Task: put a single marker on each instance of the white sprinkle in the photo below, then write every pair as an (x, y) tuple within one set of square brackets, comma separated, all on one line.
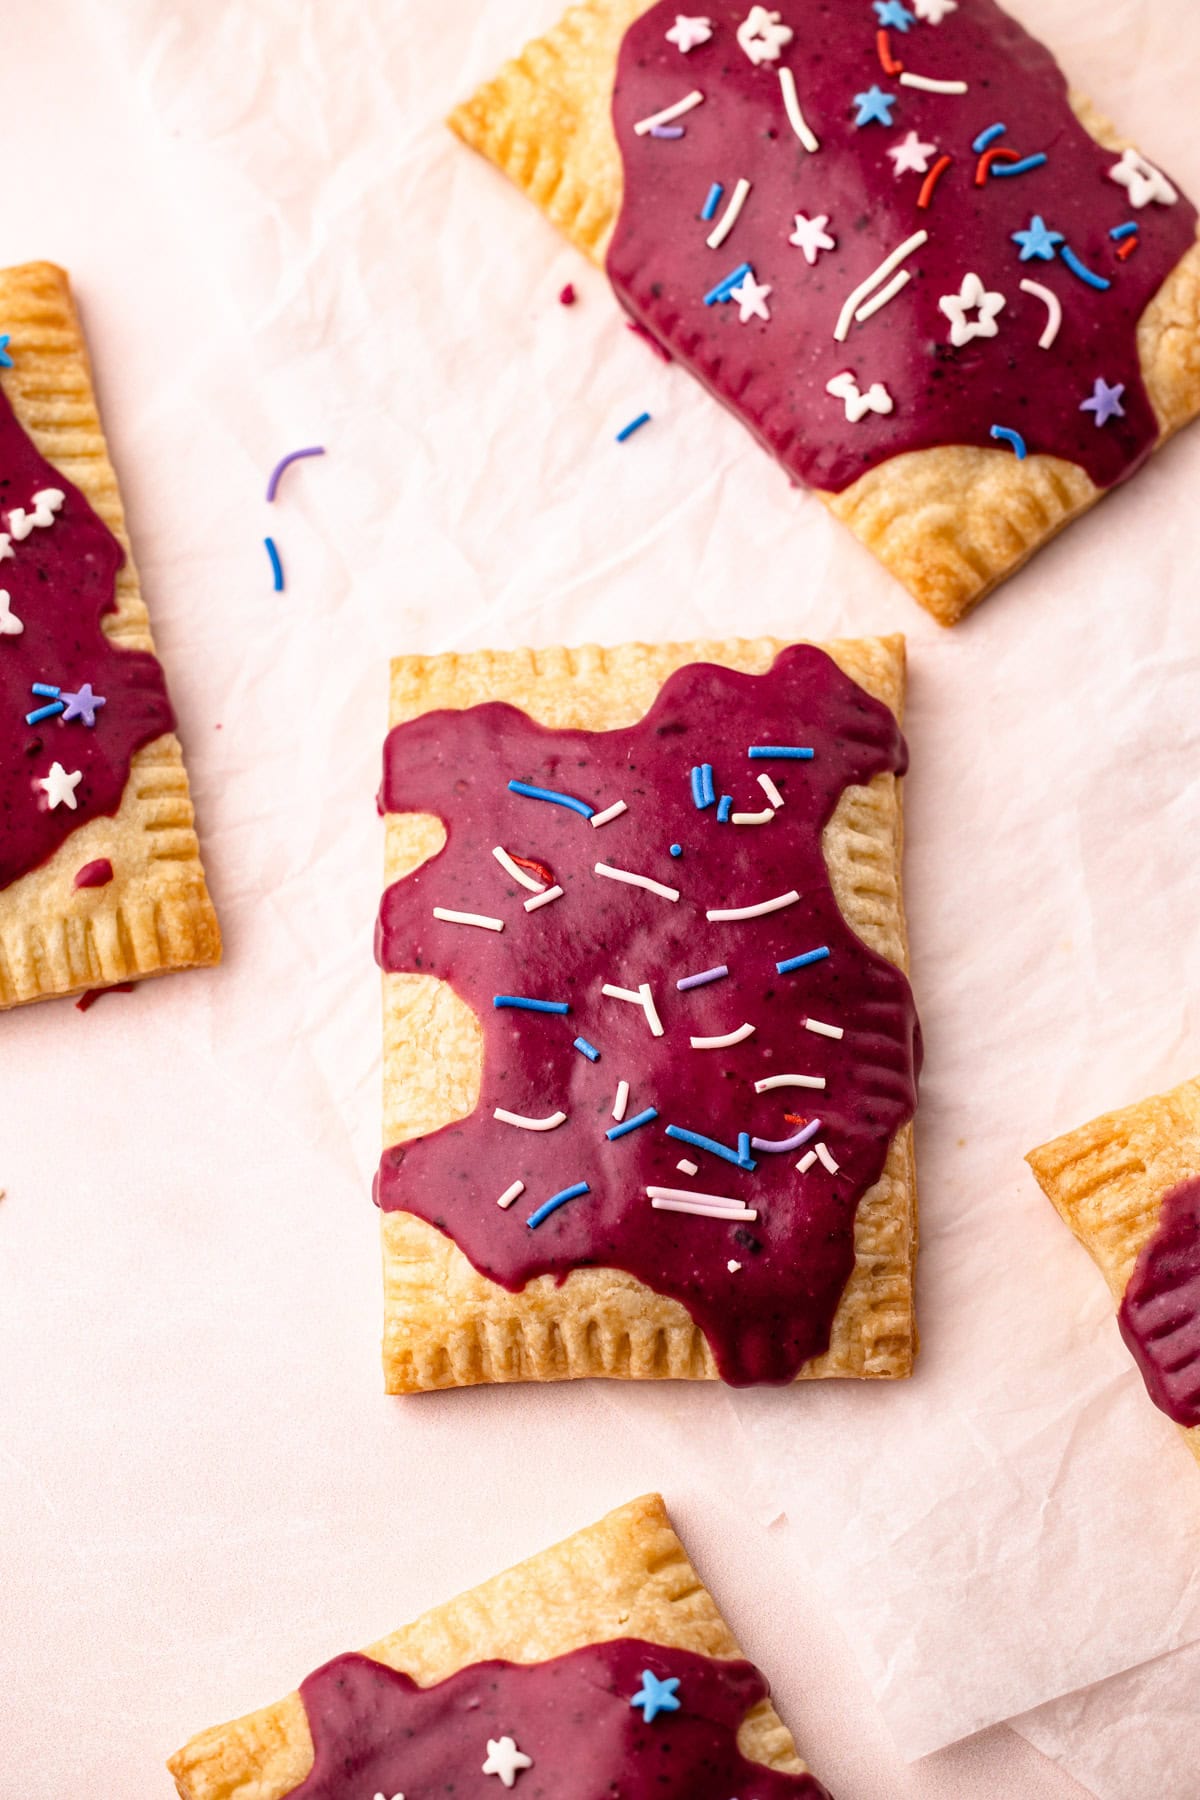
[(733, 1267), (829, 1031), (667, 1193), (704, 1212), (647, 999), (873, 280), (554, 893), (878, 301), (729, 217), (1053, 306), (770, 790), (511, 1193), (758, 818), (806, 1161), (462, 918), (723, 1043), (620, 993), (799, 123), (506, 862), (754, 912), (927, 84), (610, 812), (778, 1081), (642, 881), (547, 1124), (827, 1161), (645, 126), (621, 1101), (688, 1168)]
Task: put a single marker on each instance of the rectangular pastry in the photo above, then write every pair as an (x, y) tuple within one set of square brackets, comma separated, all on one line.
[(933, 283), (1128, 1185), (100, 876), (601, 1666), (650, 1052)]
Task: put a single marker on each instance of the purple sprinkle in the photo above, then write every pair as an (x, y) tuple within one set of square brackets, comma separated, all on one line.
[(285, 462), (667, 131), (784, 1144), (691, 981)]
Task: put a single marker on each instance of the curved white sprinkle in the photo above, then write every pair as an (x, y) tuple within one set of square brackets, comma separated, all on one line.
[(509, 866), (778, 1081), (729, 217), (543, 899), (754, 912), (621, 1101), (645, 126), (1053, 306), (829, 1031), (550, 1123), (511, 1193), (464, 918), (688, 1168), (927, 84), (610, 812), (799, 123), (873, 280), (758, 818), (642, 881), (770, 790), (723, 1043), (878, 301), (647, 999), (827, 1161), (806, 1161)]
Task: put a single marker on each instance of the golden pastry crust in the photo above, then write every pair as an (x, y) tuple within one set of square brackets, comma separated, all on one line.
[(628, 1576), (446, 1325), (950, 523), (1109, 1179), (155, 915)]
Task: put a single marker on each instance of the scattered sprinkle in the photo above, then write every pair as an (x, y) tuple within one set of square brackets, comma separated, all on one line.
[(718, 295), (893, 12), (730, 216), (802, 962), (726, 1042), (588, 1050), (708, 211), (543, 899), (770, 1082), (762, 36), (47, 693), (826, 1159), (890, 64), (276, 565), (1105, 401), (1126, 248), (703, 791), (733, 1267), (988, 161), (44, 712), (973, 311), (510, 1194), (552, 1205), (1053, 307), (928, 85), (694, 981), (758, 818), (627, 431), (511, 866), (520, 1004), (551, 1122), (687, 1167), (874, 280), (466, 918), (649, 1008), (643, 1118), (59, 787), (610, 812), (6, 361), (931, 180), (911, 156), (883, 298), (621, 1101), (1100, 282), (780, 1146), (1004, 434), (796, 118), (688, 32), (806, 1161), (770, 790), (83, 705), (740, 1157), (669, 113), (682, 1200), (1119, 232), (676, 849), (553, 798), (729, 913), (641, 881), (724, 808), (987, 138), (844, 387), (874, 107), (285, 462), (1019, 168), (1144, 181), (829, 1031), (812, 236), (568, 296), (1037, 240), (668, 131)]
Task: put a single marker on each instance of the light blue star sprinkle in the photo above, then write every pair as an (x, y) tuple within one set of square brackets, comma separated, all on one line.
[(1105, 401), (656, 1696), (6, 361), (874, 107), (894, 12), (1038, 240)]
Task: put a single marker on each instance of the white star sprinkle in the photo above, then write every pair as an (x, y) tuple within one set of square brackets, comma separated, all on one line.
[(60, 787), (1144, 181), (812, 237), (689, 31), (973, 297), (10, 625), (505, 1760), (762, 36), (934, 11), (394, 1797), (751, 297), (912, 155), (858, 405)]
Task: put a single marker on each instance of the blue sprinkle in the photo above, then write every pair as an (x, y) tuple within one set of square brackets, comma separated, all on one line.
[(676, 849), (740, 1158), (724, 288), (643, 1118), (537, 793), (552, 1205), (47, 693), (700, 793), (802, 962), (6, 361), (714, 200), (765, 752), (589, 1050), (627, 431), (1004, 434), (710, 792), (724, 808), (45, 712), (1120, 232), (1020, 168), (522, 1005), (1081, 269), (988, 137), (276, 565)]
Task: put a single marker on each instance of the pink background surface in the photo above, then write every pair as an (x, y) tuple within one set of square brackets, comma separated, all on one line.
[(203, 1492)]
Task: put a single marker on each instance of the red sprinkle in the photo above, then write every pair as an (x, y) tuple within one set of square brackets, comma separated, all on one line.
[(931, 180), (883, 44), (1127, 248), (988, 158), (535, 868), (568, 296), (795, 1118), (86, 1001), (94, 874)]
